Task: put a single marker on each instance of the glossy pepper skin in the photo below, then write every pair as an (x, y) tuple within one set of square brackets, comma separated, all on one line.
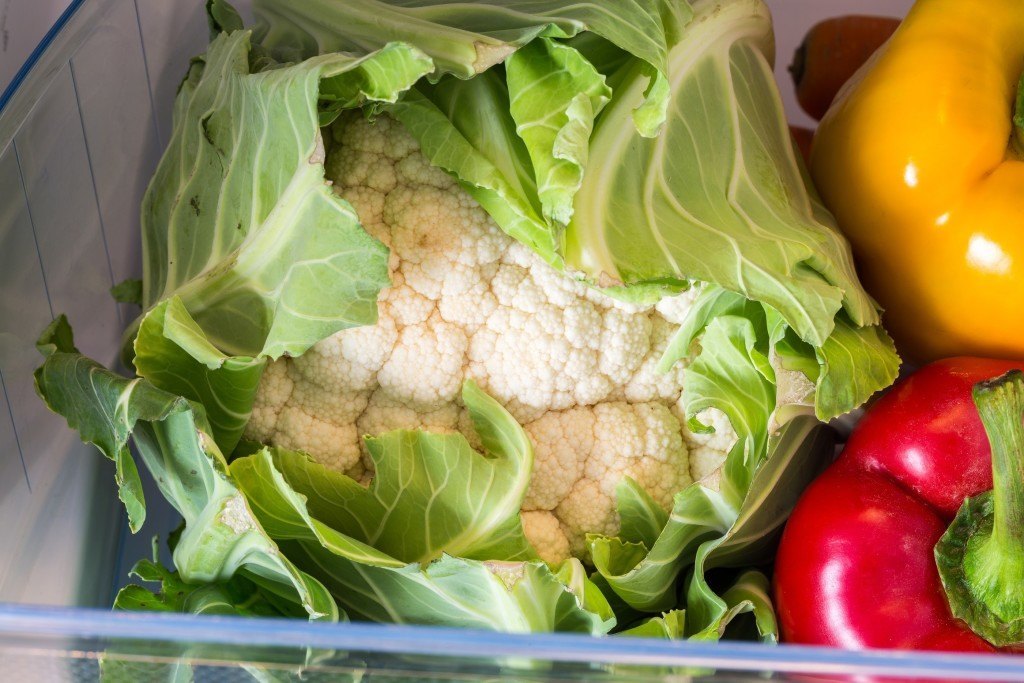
[(917, 160), (856, 566)]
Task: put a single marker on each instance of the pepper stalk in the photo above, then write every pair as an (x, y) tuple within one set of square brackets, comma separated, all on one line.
[(981, 555), (1017, 141)]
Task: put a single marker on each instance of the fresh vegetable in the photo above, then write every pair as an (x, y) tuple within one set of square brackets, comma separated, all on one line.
[(831, 53), (876, 553), (919, 158), (576, 368), (379, 219)]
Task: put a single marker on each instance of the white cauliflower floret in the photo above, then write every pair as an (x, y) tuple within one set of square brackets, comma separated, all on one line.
[(275, 389), (326, 403), (404, 305), (647, 384), (425, 385), (581, 455), (561, 442), (708, 450), (369, 206), (640, 440), (544, 532), (294, 411), (574, 366), (384, 413), (675, 308), (582, 511), (335, 446), (466, 297), (349, 360), (625, 343)]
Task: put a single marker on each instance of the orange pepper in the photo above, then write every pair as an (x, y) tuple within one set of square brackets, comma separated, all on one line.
[(920, 161)]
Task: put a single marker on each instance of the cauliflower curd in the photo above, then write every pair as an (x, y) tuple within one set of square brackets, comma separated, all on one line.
[(574, 366)]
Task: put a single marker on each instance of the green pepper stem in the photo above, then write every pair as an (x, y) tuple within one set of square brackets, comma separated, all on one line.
[(1017, 138), (1000, 403), (981, 556)]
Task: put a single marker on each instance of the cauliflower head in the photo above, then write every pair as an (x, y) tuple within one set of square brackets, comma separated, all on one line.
[(575, 367)]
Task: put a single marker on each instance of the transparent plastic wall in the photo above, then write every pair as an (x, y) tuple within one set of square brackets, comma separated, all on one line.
[(80, 134)]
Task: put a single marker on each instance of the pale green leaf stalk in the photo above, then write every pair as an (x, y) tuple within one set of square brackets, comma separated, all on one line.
[(704, 530), (642, 519), (798, 454), (753, 589), (717, 196), (850, 366), (749, 595), (466, 39), (644, 577), (174, 440), (669, 626), (431, 493), (328, 536), (173, 353), (239, 222), (554, 96)]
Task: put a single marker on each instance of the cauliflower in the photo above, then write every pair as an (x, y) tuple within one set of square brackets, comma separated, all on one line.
[(580, 456), (575, 367)]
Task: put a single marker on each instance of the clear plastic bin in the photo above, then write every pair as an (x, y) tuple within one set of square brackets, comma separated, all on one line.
[(81, 129)]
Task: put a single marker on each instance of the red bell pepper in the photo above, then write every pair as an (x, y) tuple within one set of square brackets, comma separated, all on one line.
[(859, 562)]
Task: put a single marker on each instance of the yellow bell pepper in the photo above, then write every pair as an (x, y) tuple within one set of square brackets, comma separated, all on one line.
[(920, 161)]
